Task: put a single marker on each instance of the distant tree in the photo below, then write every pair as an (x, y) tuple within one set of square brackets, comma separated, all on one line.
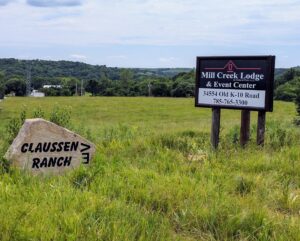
[(286, 76), (93, 86), (2, 91), (290, 74), (160, 87), (2, 86), (183, 85), (1, 77), (126, 78), (51, 91), (183, 89), (18, 86), (144, 87), (287, 91), (65, 92), (126, 75), (70, 85), (38, 82), (103, 84), (297, 100)]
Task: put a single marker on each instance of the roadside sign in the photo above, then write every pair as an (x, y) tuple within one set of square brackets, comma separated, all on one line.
[(235, 82)]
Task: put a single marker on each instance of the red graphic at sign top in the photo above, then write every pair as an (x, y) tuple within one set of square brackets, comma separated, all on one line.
[(230, 67)]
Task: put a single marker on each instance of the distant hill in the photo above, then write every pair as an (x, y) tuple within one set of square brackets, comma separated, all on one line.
[(160, 72), (96, 79), (53, 69)]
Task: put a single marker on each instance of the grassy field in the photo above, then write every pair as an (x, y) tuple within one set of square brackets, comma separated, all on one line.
[(155, 176)]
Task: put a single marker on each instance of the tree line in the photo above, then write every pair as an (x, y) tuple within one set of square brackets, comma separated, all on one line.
[(181, 85), (74, 78), (287, 85)]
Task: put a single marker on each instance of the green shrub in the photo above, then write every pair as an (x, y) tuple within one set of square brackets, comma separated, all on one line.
[(81, 178), (120, 132), (174, 142), (233, 135), (278, 135), (38, 113), (14, 125), (297, 101), (84, 132), (4, 165), (61, 116), (288, 90), (243, 185), (58, 115)]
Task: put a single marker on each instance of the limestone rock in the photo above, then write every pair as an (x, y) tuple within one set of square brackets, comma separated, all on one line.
[(44, 147)]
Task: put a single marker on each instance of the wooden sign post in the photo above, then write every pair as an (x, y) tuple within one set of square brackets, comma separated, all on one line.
[(215, 127), (236, 82), (245, 127)]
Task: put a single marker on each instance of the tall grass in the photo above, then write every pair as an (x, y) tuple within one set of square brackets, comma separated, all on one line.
[(155, 177)]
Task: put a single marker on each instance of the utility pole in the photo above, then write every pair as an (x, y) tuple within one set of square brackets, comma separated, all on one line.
[(149, 89), (28, 78), (81, 89)]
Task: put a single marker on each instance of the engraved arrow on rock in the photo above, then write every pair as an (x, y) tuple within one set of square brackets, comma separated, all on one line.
[(85, 155), (85, 147)]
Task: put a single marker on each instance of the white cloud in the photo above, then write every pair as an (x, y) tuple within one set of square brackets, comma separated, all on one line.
[(4, 2), (167, 59), (78, 57), (117, 57), (205, 24), (151, 22), (54, 3)]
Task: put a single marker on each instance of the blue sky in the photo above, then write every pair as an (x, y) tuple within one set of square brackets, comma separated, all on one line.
[(149, 33)]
